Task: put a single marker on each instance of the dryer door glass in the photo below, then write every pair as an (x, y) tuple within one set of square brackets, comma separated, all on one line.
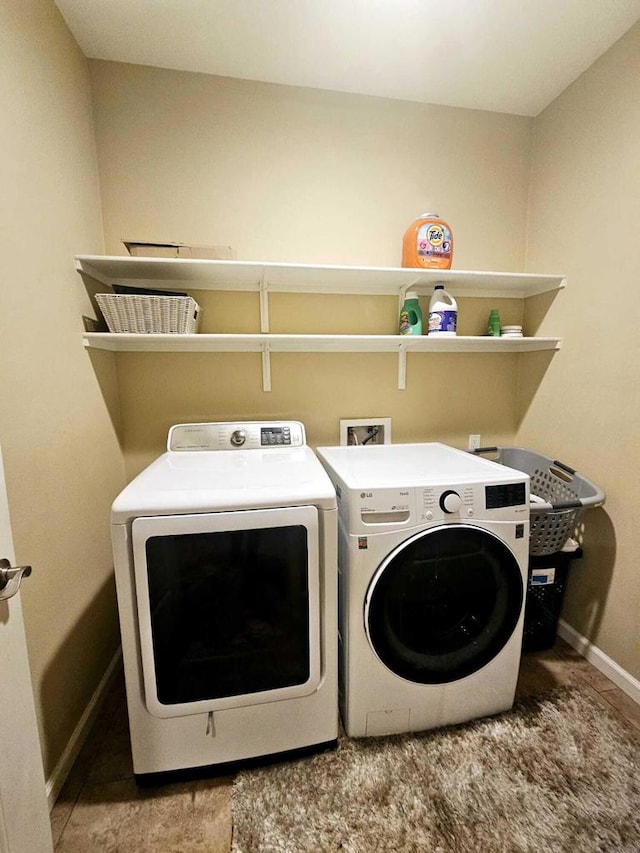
[(228, 608), (444, 604)]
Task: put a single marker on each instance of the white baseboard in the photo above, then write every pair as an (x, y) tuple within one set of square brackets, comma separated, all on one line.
[(624, 680), (65, 763)]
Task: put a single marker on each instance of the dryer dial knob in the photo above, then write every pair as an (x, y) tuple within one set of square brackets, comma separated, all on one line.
[(450, 501), (238, 437)]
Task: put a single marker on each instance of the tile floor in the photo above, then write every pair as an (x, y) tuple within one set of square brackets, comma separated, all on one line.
[(101, 809)]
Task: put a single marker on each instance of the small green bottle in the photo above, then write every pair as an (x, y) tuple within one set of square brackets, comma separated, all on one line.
[(410, 315), (494, 323)]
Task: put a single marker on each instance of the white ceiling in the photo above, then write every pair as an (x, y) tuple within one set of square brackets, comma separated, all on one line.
[(511, 56)]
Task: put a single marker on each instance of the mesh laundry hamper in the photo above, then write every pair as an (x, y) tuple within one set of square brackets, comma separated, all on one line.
[(559, 496)]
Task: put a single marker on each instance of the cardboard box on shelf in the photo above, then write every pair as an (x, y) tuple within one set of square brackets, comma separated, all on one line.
[(179, 250)]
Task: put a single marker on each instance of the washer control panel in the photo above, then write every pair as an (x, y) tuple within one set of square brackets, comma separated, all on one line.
[(439, 502), (251, 435), (466, 501), (505, 494)]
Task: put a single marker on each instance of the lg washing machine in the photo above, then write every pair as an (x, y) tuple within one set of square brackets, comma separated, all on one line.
[(432, 554)]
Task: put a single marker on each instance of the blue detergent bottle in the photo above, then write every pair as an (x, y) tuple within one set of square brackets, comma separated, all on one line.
[(410, 315)]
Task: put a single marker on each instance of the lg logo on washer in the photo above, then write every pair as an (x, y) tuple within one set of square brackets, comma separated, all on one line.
[(385, 506)]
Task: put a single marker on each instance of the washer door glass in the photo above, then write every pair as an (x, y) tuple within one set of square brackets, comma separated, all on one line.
[(443, 604)]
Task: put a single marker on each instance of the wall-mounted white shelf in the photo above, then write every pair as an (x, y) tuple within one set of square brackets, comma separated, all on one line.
[(187, 274), (266, 344), (312, 343), (170, 274)]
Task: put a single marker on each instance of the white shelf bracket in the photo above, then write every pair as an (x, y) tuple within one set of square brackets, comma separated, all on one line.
[(264, 305), (92, 272), (266, 367), (402, 368)]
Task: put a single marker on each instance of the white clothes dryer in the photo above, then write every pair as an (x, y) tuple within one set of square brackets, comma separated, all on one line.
[(432, 555), (226, 573)]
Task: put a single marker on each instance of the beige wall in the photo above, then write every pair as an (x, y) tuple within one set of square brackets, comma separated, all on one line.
[(298, 175), (287, 174), (62, 459), (585, 213)]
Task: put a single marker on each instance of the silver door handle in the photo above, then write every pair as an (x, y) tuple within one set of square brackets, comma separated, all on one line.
[(11, 578)]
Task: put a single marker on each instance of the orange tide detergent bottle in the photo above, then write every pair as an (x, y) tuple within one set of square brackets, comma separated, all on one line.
[(428, 243)]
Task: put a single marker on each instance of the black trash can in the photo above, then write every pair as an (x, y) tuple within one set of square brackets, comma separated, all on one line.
[(548, 577)]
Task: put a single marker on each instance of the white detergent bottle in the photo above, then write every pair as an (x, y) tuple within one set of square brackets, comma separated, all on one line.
[(443, 313)]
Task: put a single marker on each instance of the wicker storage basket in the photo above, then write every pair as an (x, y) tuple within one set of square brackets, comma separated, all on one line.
[(149, 315), (559, 496)]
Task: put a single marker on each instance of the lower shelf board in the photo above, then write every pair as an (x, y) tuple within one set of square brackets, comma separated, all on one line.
[(118, 342), (265, 344)]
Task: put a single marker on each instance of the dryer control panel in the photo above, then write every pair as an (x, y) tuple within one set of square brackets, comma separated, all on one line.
[(249, 435)]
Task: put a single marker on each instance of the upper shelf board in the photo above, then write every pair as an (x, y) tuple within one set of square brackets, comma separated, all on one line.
[(169, 274)]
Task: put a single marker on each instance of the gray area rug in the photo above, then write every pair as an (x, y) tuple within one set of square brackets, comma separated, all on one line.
[(555, 774)]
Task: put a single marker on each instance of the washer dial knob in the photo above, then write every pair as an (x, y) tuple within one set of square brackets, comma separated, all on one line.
[(450, 501), (238, 437)]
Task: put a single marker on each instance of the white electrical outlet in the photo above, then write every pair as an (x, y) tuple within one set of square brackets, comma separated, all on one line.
[(365, 431), (474, 442)]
